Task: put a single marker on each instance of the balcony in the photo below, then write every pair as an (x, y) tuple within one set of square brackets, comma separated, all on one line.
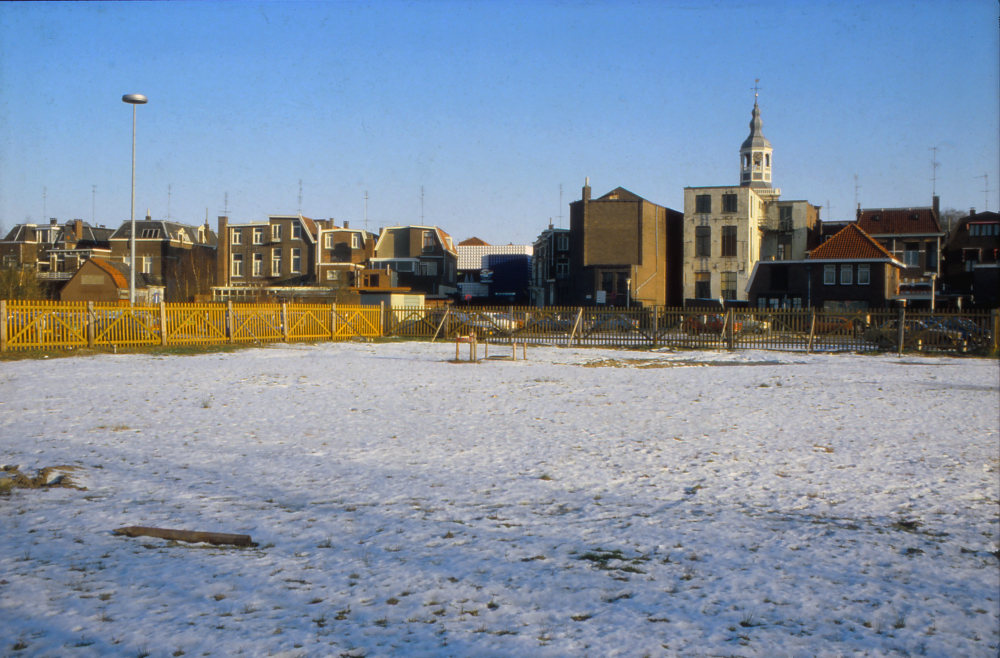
[(54, 276)]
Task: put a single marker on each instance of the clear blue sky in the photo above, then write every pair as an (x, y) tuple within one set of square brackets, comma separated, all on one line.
[(489, 106)]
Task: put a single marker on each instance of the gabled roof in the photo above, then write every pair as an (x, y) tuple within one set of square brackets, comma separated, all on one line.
[(899, 221), (91, 234), (850, 243), (446, 242), (119, 271), (473, 242), (620, 194), (169, 231)]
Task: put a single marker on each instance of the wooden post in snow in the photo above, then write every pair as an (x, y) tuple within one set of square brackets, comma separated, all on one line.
[(230, 321), (3, 325), (91, 328), (284, 320), (576, 325), (163, 324), (186, 535), (901, 330)]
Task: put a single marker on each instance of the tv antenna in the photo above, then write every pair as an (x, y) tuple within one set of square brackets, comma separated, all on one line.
[(829, 210), (45, 192), (93, 204), (300, 196), (225, 205), (934, 166), (986, 191), (366, 211), (421, 204), (560, 205), (168, 201), (856, 188)]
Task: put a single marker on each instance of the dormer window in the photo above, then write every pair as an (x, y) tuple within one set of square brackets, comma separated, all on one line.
[(296, 232), (355, 241), (150, 233), (428, 241)]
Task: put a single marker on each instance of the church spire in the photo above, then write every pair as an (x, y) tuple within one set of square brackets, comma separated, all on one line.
[(755, 153)]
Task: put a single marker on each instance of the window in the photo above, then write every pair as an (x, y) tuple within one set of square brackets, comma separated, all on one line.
[(355, 240), (729, 241), (846, 275), (797, 303), (296, 261), (703, 286), (779, 277), (332, 275), (276, 233), (762, 303), (703, 241), (911, 255), (258, 264), (296, 231), (9, 262), (729, 285), (149, 233), (931, 255), (729, 202), (829, 275), (562, 243), (237, 236), (428, 241), (276, 262), (970, 257), (784, 252), (562, 269), (864, 274), (403, 266), (785, 218), (703, 203), (608, 282), (147, 265), (258, 236), (328, 241), (428, 269), (237, 268)]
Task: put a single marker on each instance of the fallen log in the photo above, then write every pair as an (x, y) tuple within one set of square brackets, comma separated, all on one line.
[(186, 535)]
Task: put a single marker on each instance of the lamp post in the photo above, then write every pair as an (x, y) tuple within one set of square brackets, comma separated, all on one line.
[(133, 100)]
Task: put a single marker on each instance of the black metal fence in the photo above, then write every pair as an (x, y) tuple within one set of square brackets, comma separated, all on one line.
[(973, 332)]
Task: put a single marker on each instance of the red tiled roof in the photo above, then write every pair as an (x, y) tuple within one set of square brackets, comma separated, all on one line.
[(850, 243), (473, 242), (897, 221), (115, 274)]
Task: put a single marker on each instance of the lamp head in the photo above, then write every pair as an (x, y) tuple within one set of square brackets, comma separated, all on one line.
[(135, 99)]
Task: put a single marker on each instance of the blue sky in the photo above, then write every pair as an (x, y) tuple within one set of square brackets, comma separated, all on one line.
[(489, 106)]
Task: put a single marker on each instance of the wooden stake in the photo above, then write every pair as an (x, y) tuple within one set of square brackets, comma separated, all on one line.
[(186, 535), (284, 320), (91, 325), (441, 324), (3, 326), (812, 331), (576, 325), (163, 324)]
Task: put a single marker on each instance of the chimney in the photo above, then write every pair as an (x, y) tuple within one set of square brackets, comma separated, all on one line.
[(148, 216), (222, 253), (972, 211), (937, 206), (53, 221), (586, 189), (346, 224), (857, 217), (78, 228)]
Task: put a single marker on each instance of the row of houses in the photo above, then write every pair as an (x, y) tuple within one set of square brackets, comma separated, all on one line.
[(740, 244), (744, 245)]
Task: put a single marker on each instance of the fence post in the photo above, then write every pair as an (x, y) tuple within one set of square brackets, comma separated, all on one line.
[(656, 327), (576, 324), (91, 329), (900, 330), (995, 330), (447, 311), (284, 320), (230, 322), (333, 320), (3, 325), (812, 330), (163, 324), (383, 319), (731, 330)]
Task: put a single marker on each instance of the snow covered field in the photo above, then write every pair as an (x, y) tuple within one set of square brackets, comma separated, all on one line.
[(583, 503)]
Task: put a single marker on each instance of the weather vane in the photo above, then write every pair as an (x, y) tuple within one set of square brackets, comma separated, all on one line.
[(756, 87)]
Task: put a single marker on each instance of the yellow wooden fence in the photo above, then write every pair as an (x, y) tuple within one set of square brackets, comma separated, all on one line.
[(32, 325)]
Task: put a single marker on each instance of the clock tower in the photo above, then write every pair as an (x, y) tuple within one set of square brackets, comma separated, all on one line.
[(755, 155)]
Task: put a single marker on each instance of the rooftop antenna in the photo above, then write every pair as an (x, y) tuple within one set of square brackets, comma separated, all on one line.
[(934, 166), (93, 205), (168, 201), (986, 191), (560, 206), (45, 211), (366, 211), (225, 205), (300, 196), (856, 188), (829, 210), (421, 205)]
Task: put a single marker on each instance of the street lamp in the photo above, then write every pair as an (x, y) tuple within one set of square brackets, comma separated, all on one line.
[(133, 100)]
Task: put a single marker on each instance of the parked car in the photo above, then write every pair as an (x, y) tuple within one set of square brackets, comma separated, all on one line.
[(966, 329), (611, 322), (887, 335), (547, 323), (714, 324)]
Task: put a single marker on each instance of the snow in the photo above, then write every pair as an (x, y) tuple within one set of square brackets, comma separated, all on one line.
[(585, 502)]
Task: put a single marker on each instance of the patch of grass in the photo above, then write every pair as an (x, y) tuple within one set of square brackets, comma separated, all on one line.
[(899, 617), (581, 617), (545, 476), (749, 619), (218, 596), (326, 543), (602, 557), (392, 600)]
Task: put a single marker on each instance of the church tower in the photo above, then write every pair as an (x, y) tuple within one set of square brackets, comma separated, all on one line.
[(755, 155)]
